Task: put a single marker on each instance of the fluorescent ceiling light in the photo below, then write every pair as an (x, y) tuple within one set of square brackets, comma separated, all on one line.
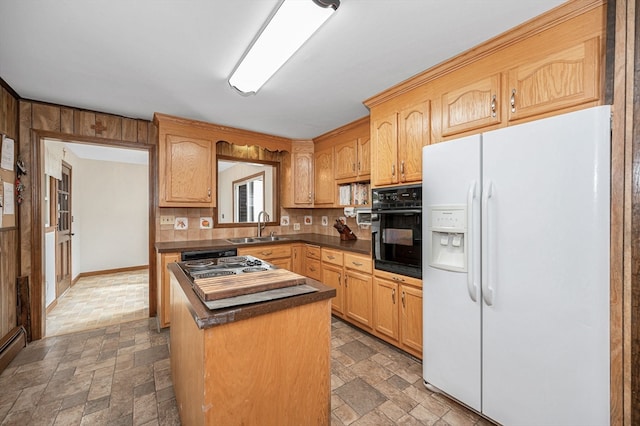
[(292, 24)]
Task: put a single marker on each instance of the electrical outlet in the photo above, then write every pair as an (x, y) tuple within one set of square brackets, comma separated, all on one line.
[(167, 220), (296, 226)]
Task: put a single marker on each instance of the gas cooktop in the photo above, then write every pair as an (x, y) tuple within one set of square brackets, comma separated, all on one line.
[(217, 267)]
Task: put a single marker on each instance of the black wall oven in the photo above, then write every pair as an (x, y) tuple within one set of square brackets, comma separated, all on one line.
[(396, 229)]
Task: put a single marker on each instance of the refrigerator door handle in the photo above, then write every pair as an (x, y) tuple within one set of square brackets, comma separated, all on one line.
[(472, 286), (487, 289)]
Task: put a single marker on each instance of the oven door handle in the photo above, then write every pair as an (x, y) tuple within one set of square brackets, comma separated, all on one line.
[(401, 211)]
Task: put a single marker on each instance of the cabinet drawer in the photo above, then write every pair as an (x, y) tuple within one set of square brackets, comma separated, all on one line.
[(400, 279), (312, 269), (267, 252), (332, 256), (358, 262), (312, 252)]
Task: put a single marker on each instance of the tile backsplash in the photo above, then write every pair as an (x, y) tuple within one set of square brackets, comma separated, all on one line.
[(296, 216)]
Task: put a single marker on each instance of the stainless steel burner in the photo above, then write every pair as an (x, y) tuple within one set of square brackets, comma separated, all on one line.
[(234, 259), (254, 269), (197, 264)]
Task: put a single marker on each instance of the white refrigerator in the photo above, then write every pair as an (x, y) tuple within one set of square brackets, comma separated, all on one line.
[(516, 270)]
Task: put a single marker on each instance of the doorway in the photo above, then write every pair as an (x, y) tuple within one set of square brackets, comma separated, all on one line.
[(109, 218)]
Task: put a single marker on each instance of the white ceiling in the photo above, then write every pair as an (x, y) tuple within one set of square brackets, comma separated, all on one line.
[(136, 57)]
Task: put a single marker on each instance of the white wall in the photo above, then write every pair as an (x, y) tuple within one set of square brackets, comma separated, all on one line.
[(111, 211)]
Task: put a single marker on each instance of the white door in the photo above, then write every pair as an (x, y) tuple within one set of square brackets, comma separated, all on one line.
[(546, 271), (451, 316)]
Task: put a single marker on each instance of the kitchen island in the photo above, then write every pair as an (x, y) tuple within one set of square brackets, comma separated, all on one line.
[(263, 363)]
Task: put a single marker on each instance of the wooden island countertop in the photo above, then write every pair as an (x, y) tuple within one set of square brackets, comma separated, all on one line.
[(263, 363)]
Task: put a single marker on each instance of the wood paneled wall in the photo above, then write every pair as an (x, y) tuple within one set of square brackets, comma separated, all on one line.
[(9, 252), (40, 120)]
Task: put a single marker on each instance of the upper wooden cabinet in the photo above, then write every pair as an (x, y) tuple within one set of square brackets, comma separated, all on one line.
[(567, 78), (297, 176), (187, 171), (550, 65), (471, 106), (397, 139), (186, 164), (353, 159), (324, 184)]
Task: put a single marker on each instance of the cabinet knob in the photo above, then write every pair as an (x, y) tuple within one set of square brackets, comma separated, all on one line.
[(393, 296), (513, 100), (208, 192), (393, 170), (402, 167), (403, 305)]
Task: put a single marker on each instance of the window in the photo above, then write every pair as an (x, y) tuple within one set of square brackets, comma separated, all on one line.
[(248, 198)]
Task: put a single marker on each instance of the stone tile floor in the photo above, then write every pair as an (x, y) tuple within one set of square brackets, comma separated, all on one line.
[(119, 374)]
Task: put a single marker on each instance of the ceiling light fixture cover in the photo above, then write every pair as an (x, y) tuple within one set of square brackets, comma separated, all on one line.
[(292, 24)]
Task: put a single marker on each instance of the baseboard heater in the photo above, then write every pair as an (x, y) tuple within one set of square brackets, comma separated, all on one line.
[(11, 344)]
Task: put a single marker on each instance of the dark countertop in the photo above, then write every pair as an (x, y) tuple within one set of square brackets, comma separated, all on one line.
[(206, 318), (356, 246)]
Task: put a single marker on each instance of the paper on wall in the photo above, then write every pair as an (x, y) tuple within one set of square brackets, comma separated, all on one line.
[(6, 159), (9, 202)]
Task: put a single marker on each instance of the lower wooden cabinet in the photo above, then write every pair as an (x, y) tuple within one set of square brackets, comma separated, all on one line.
[(163, 291), (398, 310), (276, 254), (359, 297), (297, 258), (312, 263)]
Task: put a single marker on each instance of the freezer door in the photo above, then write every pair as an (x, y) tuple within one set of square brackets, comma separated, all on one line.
[(451, 300), (546, 271)]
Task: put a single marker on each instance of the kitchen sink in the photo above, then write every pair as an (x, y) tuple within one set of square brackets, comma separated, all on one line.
[(273, 238), (243, 240), (247, 240)]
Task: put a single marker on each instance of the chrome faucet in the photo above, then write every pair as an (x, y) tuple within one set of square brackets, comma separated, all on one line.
[(265, 217)]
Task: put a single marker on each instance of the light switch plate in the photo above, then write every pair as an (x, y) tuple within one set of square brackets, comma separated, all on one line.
[(167, 220), (296, 226)]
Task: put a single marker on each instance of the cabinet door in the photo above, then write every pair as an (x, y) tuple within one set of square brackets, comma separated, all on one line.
[(346, 159), (297, 258), (303, 178), (364, 157), (188, 172), (313, 269), (561, 80), (384, 142), (413, 134), (332, 276), (385, 314), (325, 187), (411, 319), (358, 297), (472, 106), (164, 296)]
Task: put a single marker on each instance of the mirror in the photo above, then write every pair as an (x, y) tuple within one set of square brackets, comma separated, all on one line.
[(244, 189)]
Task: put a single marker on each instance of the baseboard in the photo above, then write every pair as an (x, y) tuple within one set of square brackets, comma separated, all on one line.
[(52, 305), (109, 271), (11, 344)]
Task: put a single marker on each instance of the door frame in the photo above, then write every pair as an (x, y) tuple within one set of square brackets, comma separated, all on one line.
[(38, 305)]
